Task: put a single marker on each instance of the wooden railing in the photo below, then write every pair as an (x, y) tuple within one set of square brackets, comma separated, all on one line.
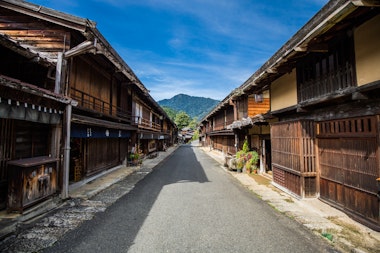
[(146, 124), (95, 104), (222, 125)]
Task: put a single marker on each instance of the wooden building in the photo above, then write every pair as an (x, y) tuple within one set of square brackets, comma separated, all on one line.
[(324, 94), (213, 130), (156, 130), (67, 97), (240, 116)]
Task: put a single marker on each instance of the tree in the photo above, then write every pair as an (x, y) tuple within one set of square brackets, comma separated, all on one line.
[(170, 112), (182, 119), (193, 123), (196, 135)]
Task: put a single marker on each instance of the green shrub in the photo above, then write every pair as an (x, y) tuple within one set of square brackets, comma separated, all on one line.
[(253, 157), (246, 158), (245, 146), (240, 154), (134, 156), (240, 163)]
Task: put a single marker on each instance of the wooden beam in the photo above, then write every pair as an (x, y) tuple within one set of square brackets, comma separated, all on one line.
[(80, 49), (358, 96)]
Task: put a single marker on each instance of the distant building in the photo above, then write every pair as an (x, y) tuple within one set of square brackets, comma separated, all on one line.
[(186, 134)]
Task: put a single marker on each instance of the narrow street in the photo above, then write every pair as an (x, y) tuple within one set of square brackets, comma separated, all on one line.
[(190, 204)]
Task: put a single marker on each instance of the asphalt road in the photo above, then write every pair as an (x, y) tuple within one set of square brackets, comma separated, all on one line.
[(190, 204)]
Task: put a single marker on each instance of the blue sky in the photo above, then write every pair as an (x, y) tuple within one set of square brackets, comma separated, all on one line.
[(197, 47)]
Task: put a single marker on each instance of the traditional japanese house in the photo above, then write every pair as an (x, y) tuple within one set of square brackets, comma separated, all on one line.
[(213, 130), (252, 123), (67, 100), (30, 124), (31, 113), (240, 116), (156, 130), (324, 90)]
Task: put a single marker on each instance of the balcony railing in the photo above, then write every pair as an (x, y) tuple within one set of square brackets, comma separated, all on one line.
[(146, 124), (219, 126), (92, 103)]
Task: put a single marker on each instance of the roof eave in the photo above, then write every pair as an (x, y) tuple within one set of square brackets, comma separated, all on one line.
[(325, 19), (47, 14)]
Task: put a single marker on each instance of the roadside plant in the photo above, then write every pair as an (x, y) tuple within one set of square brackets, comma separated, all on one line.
[(240, 163), (240, 153), (245, 146), (246, 158), (134, 156), (252, 159)]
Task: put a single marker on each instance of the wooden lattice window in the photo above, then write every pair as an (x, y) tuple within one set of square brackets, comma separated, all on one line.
[(360, 127), (320, 74), (348, 152), (293, 145)]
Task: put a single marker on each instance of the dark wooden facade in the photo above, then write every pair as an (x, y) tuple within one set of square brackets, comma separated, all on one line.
[(214, 132), (237, 118), (30, 119), (293, 157), (324, 88), (65, 93), (349, 164)]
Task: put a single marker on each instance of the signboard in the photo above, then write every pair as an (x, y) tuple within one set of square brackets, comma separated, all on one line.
[(83, 131)]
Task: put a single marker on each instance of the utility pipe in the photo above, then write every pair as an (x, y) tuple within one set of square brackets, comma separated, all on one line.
[(66, 153)]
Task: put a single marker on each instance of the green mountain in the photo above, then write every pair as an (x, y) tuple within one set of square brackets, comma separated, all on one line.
[(193, 106)]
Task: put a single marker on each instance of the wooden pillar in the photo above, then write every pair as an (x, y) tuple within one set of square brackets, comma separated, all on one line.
[(233, 103)]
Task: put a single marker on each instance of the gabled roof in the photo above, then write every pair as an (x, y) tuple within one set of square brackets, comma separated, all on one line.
[(44, 45), (47, 14), (25, 41)]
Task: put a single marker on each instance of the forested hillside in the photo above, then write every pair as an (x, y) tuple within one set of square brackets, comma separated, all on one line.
[(193, 106)]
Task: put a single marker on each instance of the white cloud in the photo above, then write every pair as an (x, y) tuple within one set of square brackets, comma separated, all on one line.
[(198, 47)]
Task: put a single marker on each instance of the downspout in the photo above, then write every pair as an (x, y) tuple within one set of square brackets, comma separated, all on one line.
[(66, 153)]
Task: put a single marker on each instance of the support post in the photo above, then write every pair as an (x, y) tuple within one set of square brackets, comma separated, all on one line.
[(66, 153), (58, 73)]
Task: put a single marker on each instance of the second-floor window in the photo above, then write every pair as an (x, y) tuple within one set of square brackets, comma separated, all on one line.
[(242, 105), (327, 73), (138, 113)]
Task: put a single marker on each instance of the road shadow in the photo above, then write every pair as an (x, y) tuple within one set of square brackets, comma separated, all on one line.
[(116, 229)]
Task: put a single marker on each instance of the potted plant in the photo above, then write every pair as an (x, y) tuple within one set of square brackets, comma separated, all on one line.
[(248, 166), (239, 164), (134, 157), (247, 159), (253, 158)]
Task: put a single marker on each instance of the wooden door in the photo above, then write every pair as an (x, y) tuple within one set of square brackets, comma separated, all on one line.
[(349, 167)]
